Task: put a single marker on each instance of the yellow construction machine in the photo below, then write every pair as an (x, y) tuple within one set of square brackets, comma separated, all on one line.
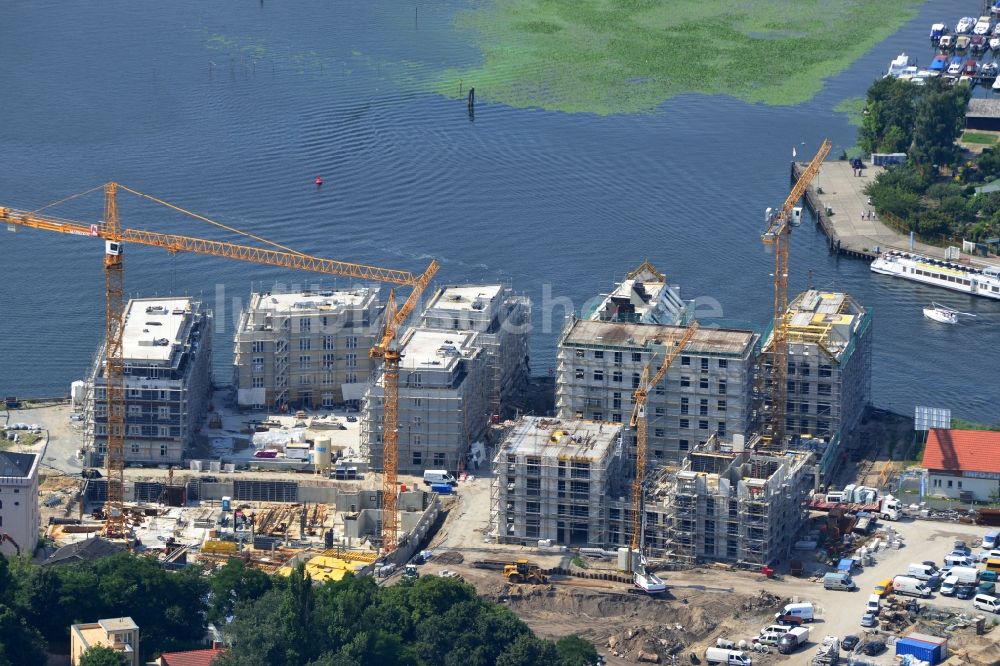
[(523, 571)]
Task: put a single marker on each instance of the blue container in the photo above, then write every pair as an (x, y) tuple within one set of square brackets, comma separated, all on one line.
[(923, 651), (441, 488)]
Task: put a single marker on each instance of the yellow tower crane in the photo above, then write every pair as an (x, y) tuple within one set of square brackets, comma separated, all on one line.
[(779, 234), (114, 237), (640, 419)]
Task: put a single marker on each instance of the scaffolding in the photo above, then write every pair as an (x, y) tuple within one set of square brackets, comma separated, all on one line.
[(552, 479)]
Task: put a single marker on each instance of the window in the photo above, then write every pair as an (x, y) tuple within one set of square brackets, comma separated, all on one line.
[(682, 444), (637, 357), (418, 458), (305, 325), (617, 418), (579, 373), (616, 401), (164, 431), (598, 354), (704, 364), (329, 360), (823, 389), (135, 430), (163, 412), (134, 448), (721, 405), (351, 378), (635, 380), (532, 507), (616, 376), (702, 425), (135, 410), (304, 344), (163, 450), (328, 342), (703, 383), (439, 459), (722, 388), (685, 360), (618, 358), (723, 363), (598, 416), (684, 405), (703, 407), (257, 364), (949, 483), (304, 362), (721, 428), (804, 371), (579, 353), (257, 382), (825, 371), (351, 360), (685, 381), (351, 342), (327, 399), (684, 424), (659, 432), (257, 347), (598, 375), (660, 411)]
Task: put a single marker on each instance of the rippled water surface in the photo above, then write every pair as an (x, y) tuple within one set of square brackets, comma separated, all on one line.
[(232, 108)]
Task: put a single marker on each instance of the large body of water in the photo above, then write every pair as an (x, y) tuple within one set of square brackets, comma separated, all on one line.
[(166, 98)]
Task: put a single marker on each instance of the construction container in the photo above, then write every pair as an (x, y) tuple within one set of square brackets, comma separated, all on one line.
[(441, 488), (932, 653)]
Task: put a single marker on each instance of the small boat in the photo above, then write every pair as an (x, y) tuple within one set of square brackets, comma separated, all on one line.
[(989, 70), (996, 85), (944, 314), (965, 25), (962, 43), (938, 30)]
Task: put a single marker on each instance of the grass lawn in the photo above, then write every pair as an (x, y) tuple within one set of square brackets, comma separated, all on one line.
[(978, 137), (626, 56)]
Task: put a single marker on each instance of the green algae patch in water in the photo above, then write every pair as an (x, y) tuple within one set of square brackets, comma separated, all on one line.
[(628, 56), (854, 108)]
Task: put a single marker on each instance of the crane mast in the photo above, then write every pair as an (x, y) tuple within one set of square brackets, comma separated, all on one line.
[(673, 346), (114, 239), (779, 234)]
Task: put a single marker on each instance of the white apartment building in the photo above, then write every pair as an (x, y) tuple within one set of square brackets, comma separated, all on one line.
[(708, 388), (305, 349), (167, 351), (829, 363), (19, 516), (502, 320), (443, 402)]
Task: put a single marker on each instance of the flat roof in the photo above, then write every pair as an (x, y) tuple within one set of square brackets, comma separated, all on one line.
[(153, 326), (310, 301), (983, 108), (434, 349), (640, 336), (465, 297), (564, 439), (118, 624), (825, 318)]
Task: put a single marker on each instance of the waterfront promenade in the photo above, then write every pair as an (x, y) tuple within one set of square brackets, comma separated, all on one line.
[(851, 230)]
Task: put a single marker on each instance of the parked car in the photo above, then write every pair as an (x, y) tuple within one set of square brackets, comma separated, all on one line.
[(965, 591), (988, 575), (986, 587), (988, 555), (873, 648), (868, 620), (850, 642), (934, 582)]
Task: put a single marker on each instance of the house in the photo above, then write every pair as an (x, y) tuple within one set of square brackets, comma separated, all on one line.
[(87, 550), (120, 633), (19, 517), (963, 464)]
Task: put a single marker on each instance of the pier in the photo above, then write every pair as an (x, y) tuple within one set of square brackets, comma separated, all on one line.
[(837, 198)]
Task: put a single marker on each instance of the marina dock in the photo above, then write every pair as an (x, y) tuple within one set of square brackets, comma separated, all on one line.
[(850, 229)]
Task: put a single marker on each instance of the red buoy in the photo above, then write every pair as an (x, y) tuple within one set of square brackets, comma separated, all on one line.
[(319, 181)]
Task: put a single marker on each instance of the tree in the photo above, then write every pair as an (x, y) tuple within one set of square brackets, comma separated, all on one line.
[(234, 583), (574, 651), (102, 655), (20, 644), (939, 121), (528, 651)]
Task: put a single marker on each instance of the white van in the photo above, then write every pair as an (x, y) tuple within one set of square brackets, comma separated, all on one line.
[(802, 611), (921, 571), (904, 585), (948, 586), (873, 604), (986, 602), (991, 540), (432, 476), (958, 561), (714, 655)]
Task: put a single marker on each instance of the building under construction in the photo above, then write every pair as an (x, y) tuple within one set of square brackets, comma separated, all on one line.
[(443, 402), (551, 480), (708, 389), (502, 320), (643, 297), (728, 503), (305, 349), (167, 353), (829, 363)]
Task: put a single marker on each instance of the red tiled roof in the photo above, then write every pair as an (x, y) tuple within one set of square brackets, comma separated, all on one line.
[(962, 450), (190, 658)]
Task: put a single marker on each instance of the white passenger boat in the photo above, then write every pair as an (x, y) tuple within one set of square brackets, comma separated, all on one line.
[(957, 277), (941, 313)]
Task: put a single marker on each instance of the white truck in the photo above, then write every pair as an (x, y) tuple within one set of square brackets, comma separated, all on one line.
[(964, 575), (792, 639), (906, 585), (890, 508), (714, 655)]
